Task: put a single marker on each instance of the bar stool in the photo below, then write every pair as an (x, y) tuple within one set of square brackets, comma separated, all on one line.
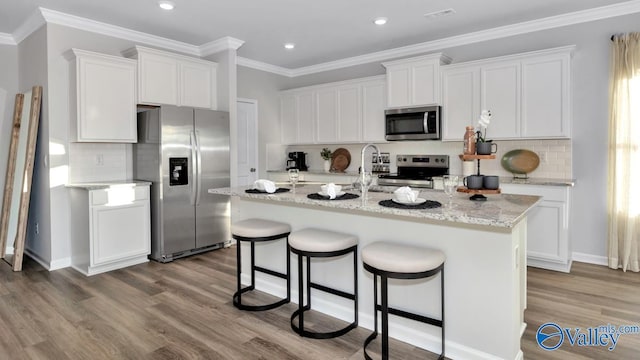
[(398, 261), (258, 230), (316, 243)]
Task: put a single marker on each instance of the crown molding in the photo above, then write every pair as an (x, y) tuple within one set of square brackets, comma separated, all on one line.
[(551, 22), (56, 17), (43, 15), (7, 39), (258, 65), (34, 22), (221, 44)]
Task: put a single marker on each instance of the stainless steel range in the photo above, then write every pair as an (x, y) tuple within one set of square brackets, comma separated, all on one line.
[(416, 171)]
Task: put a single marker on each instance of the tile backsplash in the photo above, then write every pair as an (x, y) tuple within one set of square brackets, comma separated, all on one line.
[(93, 162), (555, 155)]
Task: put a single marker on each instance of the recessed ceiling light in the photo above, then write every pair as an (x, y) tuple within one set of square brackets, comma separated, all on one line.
[(289, 46), (440, 13), (166, 5), (380, 21)]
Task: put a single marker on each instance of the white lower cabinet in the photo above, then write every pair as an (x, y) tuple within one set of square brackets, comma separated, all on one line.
[(112, 228), (548, 244)]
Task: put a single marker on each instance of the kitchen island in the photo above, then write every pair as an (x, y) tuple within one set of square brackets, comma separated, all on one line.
[(485, 284)]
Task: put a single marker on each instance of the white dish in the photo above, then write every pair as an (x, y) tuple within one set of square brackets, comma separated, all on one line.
[(338, 194), (417, 202)]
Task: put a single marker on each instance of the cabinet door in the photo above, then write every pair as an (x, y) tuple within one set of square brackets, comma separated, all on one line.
[(461, 101), (305, 117), (196, 84), (120, 232), (545, 97), (327, 115), (349, 113), (500, 93), (106, 99), (373, 105), (547, 235), (288, 122), (425, 83), (398, 85), (158, 79)]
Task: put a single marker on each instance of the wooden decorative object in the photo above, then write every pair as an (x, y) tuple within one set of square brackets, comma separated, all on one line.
[(21, 177), (478, 191), (11, 167)]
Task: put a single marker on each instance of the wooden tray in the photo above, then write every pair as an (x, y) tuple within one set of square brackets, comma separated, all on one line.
[(478, 191), (476, 157), (340, 159)]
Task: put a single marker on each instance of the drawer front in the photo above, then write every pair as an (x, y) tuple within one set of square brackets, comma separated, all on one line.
[(141, 193), (98, 197)]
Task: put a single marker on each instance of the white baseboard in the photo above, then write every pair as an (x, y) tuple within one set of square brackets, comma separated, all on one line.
[(53, 265), (422, 340), (590, 259)]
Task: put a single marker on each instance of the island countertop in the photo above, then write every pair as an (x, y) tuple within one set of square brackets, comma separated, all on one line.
[(500, 212)]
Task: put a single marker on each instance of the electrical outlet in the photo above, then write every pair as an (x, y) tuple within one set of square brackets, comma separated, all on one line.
[(543, 156), (99, 160)]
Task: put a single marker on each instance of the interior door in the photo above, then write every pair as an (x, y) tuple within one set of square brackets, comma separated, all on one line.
[(247, 119), (212, 211)]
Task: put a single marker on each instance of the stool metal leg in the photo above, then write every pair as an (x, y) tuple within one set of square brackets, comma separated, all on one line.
[(442, 309), (238, 271), (298, 326), (237, 297), (300, 296), (385, 317), (385, 309)]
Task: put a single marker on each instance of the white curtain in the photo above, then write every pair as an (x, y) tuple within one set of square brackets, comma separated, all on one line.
[(624, 154)]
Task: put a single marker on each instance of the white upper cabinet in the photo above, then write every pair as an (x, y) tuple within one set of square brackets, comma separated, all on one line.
[(500, 93), (374, 101), (102, 98), (460, 101), (172, 79), (414, 81), (546, 96), (349, 113), (528, 94), (343, 112)]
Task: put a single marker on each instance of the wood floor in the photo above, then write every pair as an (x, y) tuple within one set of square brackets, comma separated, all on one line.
[(182, 310)]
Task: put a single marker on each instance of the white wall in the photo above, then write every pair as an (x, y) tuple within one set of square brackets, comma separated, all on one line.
[(590, 113), (32, 69), (8, 91), (263, 87)]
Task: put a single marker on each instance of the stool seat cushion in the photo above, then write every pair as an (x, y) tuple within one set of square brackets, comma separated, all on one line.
[(401, 258), (318, 240), (257, 228)]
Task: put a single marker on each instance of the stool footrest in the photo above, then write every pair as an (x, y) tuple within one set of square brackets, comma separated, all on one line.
[(270, 272), (333, 291), (318, 335), (241, 306), (412, 316)]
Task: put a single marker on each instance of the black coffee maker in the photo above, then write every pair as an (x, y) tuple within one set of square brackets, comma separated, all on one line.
[(297, 160)]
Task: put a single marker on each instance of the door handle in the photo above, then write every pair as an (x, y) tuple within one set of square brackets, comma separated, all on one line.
[(199, 167), (252, 170), (194, 171)]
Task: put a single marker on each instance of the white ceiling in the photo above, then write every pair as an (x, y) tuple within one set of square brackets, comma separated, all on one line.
[(323, 31)]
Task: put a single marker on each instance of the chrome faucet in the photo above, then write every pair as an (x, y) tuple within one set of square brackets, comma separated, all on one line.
[(364, 149)]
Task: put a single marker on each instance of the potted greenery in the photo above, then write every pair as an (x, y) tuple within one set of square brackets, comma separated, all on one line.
[(326, 156), (484, 146)]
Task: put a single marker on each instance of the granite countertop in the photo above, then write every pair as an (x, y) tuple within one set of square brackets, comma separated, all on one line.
[(500, 212), (98, 185), (318, 172), (503, 179)]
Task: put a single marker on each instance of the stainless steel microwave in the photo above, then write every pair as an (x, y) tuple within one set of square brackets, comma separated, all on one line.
[(419, 123)]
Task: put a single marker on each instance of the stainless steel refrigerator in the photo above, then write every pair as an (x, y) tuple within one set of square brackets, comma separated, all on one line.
[(184, 152)]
